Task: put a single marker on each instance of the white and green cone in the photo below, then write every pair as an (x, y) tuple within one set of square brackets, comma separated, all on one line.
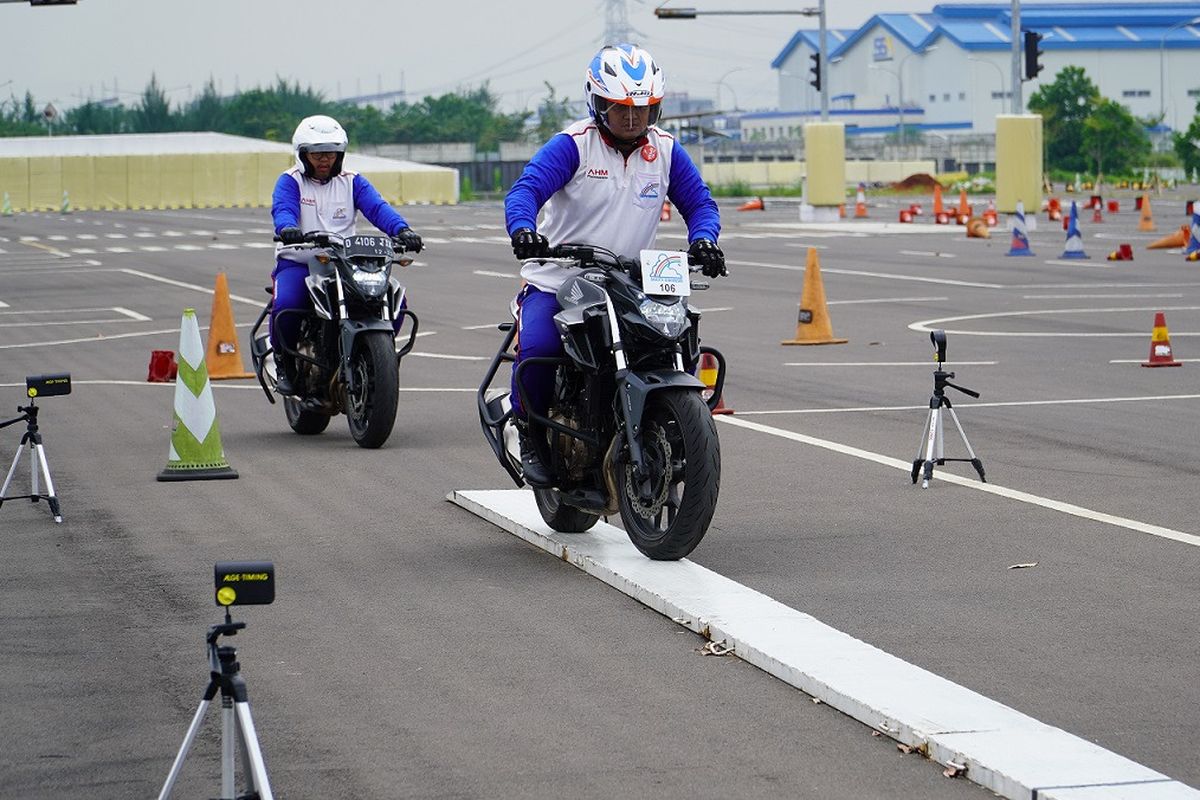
[(196, 452)]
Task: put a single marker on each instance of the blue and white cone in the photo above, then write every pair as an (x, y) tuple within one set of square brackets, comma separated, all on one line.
[(1074, 240), (1020, 241), (1193, 245)]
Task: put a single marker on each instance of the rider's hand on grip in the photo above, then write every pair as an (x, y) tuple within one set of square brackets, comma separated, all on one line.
[(409, 240), (291, 235), (527, 243), (709, 257)]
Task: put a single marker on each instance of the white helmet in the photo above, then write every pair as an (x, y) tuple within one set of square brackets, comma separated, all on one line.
[(623, 74), (319, 134)]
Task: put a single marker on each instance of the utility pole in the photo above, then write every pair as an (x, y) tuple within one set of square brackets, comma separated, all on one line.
[(1018, 105)]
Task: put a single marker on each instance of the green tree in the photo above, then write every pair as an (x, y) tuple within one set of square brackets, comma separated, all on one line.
[(1113, 140), (553, 114), (1187, 144), (206, 112), (1064, 105), (152, 114), (95, 118)]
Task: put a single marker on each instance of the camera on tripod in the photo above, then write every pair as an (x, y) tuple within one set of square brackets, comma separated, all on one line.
[(36, 386), (932, 438), (48, 385), (235, 583)]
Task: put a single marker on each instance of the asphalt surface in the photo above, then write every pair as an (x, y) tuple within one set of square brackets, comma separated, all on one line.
[(416, 651)]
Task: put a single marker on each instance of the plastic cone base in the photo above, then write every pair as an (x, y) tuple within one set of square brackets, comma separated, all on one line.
[(197, 474)]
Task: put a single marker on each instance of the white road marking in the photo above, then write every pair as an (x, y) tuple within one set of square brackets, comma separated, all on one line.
[(188, 247), (711, 310), (450, 357), (115, 236), (225, 385), (948, 722), (1094, 296), (930, 253), (152, 248), (1079, 262), (194, 287), (83, 251), (512, 276), (118, 250), (933, 324), (884, 363), (490, 325), (223, 246), (87, 236), (997, 404), (1140, 360), (893, 276), (886, 300)]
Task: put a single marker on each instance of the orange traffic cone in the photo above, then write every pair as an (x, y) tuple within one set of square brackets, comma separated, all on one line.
[(842, 211), (752, 205), (708, 376), (1160, 345), (1054, 209), (1146, 223), (223, 358), (1123, 253), (665, 216), (813, 326), (964, 208), (860, 203), (1096, 215), (1177, 239), (978, 229), (938, 207)]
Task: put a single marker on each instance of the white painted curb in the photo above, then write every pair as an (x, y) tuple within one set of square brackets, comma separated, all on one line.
[(999, 748)]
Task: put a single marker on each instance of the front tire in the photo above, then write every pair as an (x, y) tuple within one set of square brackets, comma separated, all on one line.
[(683, 459), (560, 516), (371, 410)]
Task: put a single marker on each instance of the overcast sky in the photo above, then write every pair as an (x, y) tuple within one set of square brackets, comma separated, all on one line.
[(66, 54)]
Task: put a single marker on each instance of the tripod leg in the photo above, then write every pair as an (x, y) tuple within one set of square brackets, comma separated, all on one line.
[(920, 459), (190, 737), (228, 749), (11, 471), (933, 444), (51, 497), (975, 461), (258, 768)]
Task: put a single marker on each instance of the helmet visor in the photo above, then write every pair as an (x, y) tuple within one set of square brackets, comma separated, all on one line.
[(323, 147)]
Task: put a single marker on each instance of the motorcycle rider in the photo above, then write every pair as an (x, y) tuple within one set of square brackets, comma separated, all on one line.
[(601, 181), (317, 194)]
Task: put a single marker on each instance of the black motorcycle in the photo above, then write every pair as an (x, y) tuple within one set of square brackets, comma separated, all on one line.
[(628, 429), (346, 357)]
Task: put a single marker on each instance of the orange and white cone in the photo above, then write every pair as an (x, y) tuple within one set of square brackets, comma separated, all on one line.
[(860, 203), (707, 370), (1160, 345), (813, 325)]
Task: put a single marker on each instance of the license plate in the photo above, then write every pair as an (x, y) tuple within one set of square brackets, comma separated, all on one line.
[(376, 246)]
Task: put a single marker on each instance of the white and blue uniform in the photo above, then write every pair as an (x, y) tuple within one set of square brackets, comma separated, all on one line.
[(330, 206), (591, 193)]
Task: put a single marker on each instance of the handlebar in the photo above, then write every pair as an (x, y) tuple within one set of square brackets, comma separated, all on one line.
[(313, 239), (587, 255)]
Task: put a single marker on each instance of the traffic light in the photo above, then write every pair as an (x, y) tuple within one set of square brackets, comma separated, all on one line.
[(1032, 67), (815, 58)]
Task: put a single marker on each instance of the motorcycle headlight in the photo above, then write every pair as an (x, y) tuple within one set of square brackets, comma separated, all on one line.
[(372, 284), (670, 319)]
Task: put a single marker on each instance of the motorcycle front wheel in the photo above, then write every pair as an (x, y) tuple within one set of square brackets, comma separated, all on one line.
[(371, 409), (668, 514)]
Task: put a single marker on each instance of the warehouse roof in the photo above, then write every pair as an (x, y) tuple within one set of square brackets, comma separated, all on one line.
[(1066, 26)]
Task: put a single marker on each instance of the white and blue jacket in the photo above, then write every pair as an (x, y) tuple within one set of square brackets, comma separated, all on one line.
[(591, 193), (330, 206)]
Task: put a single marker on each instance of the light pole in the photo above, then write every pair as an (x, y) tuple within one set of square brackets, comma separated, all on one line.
[(899, 73), (1162, 49), (819, 11), (998, 70), (721, 80)]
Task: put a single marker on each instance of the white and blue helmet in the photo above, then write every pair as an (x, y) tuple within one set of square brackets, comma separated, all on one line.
[(319, 134), (623, 74)]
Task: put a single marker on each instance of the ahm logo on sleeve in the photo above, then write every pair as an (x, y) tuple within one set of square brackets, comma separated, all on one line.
[(649, 191)]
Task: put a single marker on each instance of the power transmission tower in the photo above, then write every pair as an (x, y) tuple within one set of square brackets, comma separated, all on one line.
[(616, 23)]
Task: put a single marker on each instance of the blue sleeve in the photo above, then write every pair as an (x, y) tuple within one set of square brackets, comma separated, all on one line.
[(550, 169), (688, 192), (381, 214), (285, 203)]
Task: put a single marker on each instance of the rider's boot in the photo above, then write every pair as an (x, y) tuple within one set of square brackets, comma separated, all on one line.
[(284, 383), (533, 471)]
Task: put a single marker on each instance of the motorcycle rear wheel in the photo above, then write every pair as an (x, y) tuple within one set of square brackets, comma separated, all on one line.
[(304, 422), (371, 411), (683, 457), (560, 516)]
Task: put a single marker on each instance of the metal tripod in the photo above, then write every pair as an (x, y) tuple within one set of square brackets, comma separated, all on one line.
[(37, 463), (236, 722), (932, 440)]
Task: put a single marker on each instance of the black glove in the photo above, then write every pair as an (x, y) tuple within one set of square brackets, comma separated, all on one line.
[(409, 240), (291, 235), (709, 257), (527, 243)]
